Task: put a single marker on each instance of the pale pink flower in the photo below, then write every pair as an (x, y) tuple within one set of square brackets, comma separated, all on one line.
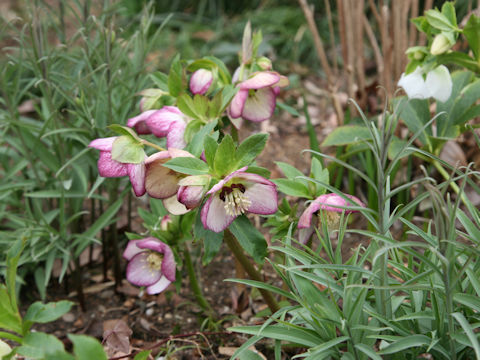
[(200, 81)]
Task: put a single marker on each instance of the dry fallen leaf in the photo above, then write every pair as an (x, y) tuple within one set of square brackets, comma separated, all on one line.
[(116, 334)]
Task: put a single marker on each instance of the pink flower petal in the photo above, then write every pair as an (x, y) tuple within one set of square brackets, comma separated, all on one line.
[(254, 178), (107, 167), (159, 286), (214, 216), (238, 103), (263, 199), (138, 122), (305, 220), (260, 106), (132, 249), (103, 144), (136, 173), (175, 136), (261, 80), (200, 81), (159, 122), (218, 186), (334, 202), (140, 273)]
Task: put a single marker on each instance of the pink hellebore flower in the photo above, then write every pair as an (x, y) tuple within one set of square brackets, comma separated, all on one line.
[(151, 264), (333, 204), (169, 121), (255, 101), (107, 167), (200, 81), (237, 193)]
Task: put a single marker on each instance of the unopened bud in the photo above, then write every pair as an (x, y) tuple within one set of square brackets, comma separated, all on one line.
[(200, 81), (440, 45), (264, 63), (166, 220)]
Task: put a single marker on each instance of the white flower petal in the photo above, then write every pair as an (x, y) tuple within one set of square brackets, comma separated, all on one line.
[(439, 83), (214, 215), (414, 85), (260, 105)]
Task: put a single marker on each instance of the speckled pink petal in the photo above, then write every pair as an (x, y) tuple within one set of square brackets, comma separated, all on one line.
[(260, 106), (175, 136), (261, 80), (107, 167), (214, 216), (138, 122), (159, 122), (139, 272), (238, 103), (136, 173), (103, 144)]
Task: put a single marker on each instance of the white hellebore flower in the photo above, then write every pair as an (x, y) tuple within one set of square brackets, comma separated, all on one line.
[(437, 84)]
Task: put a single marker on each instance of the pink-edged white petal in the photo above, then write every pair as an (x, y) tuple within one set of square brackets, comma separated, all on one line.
[(136, 173), (103, 144), (263, 199), (159, 286), (132, 249), (140, 273), (159, 122), (174, 207), (200, 81), (175, 136), (260, 105), (214, 216), (261, 80), (107, 167), (139, 122), (250, 177), (237, 104), (168, 262), (191, 196)]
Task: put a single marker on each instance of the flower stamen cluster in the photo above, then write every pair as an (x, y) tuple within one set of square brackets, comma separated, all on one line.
[(236, 203)]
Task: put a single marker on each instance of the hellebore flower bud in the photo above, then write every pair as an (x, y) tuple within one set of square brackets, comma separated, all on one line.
[(440, 45), (264, 63), (200, 81)]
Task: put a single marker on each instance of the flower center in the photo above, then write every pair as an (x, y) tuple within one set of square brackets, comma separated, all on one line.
[(154, 261), (236, 203)]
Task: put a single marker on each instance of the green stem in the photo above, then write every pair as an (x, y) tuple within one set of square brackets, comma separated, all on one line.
[(155, 146), (452, 184), (237, 251), (197, 291)]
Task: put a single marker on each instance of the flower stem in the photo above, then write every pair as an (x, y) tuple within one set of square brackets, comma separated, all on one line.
[(197, 291), (237, 251), (155, 146)]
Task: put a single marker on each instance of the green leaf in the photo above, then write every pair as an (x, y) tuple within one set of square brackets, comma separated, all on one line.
[(469, 331), (416, 113), (224, 156), (37, 345), (175, 77), (248, 150), (292, 334), (210, 149), (472, 301), (211, 240), (349, 134), (87, 348), (187, 165), (9, 317), (259, 171), (421, 24), (250, 355), (368, 351), (249, 238), (459, 58), (43, 313), (407, 342), (449, 11), (125, 131), (292, 188), (196, 145), (439, 21), (200, 103), (127, 150), (186, 105), (472, 34), (291, 172), (289, 109), (142, 355), (228, 92)]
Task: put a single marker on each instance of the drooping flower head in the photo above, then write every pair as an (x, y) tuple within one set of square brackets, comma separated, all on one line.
[(200, 81), (237, 193), (107, 167), (151, 264), (256, 98), (168, 122), (333, 205), (437, 84)]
